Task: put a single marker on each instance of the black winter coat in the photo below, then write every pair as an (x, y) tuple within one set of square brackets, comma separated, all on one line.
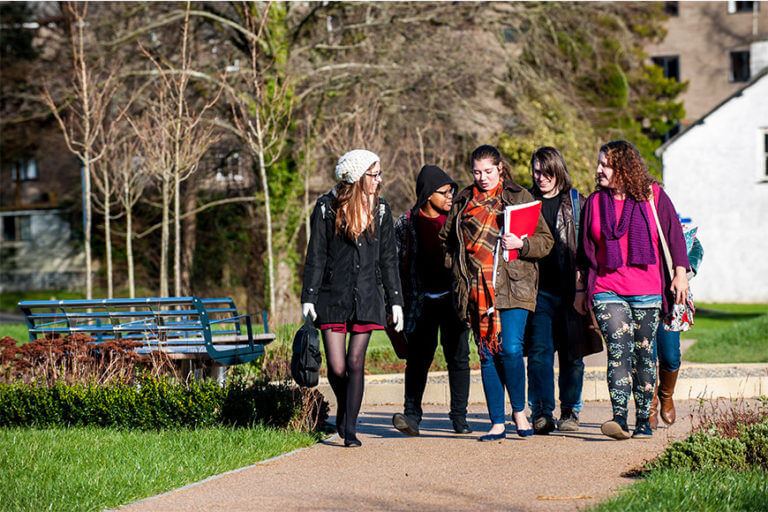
[(347, 279)]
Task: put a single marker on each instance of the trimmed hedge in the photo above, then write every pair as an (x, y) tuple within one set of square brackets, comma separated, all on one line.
[(153, 403)]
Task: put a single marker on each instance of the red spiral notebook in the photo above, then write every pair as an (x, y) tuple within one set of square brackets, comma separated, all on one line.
[(520, 220)]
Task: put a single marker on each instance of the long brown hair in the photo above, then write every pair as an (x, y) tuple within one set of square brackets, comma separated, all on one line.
[(354, 215), (630, 172)]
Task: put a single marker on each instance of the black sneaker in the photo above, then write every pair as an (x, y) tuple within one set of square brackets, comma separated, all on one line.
[(460, 426), (643, 429), (568, 422), (406, 424), (543, 425)]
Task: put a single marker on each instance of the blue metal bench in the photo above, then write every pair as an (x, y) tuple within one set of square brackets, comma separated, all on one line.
[(180, 327)]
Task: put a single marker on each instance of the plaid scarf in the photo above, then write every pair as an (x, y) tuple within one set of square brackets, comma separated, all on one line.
[(480, 223)]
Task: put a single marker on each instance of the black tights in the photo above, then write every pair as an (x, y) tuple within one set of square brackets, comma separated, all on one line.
[(346, 374)]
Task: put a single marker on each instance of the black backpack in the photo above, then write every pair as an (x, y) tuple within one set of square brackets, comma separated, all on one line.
[(306, 360)]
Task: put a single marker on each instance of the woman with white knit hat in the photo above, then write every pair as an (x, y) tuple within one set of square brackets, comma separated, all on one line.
[(350, 276)]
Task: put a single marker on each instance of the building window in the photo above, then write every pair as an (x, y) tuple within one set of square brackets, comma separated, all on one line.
[(740, 66), (672, 8), (17, 228), (670, 64), (765, 155), (734, 7), (24, 170), (672, 132)]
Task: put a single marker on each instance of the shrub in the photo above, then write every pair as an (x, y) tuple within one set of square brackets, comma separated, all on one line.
[(726, 434), (77, 358), (157, 403), (150, 404), (728, 416), (755, 438), (702, 450)]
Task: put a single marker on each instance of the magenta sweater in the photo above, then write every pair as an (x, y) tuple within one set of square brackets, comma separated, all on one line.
[(629, 280)]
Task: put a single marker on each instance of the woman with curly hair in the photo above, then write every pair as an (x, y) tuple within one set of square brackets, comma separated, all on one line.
[(621, 276)]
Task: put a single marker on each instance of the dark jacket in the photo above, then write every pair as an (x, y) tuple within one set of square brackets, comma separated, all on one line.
[(347, 279), (430, 179), (586, 260), (578, 335), (517, 280)]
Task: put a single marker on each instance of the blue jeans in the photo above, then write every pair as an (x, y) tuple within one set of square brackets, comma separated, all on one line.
[(507, 368), (667, 349), (549, 315)]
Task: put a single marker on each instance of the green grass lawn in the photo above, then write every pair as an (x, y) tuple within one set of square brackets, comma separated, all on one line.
[(16, 331), (79, 469), (729, 333), (711, 490), (745, 341), (710, 316)]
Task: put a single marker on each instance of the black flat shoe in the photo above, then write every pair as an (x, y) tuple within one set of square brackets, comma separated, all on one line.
[(351, 441), (492, 437), (405, 424), (460, 426)]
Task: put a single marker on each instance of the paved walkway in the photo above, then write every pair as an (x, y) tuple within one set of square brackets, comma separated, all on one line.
[(440, 470)]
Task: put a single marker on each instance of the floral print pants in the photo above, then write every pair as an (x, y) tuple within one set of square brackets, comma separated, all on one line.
[(630, 335)]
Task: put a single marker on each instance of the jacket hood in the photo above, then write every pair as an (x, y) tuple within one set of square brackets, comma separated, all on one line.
[(430, 178)]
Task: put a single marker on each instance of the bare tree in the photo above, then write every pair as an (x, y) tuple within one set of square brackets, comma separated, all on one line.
[(130, 178), (174, 137), (92, 90), (262, 111)]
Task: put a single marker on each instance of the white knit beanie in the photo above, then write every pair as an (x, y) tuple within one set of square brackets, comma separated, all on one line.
[(353, 164)]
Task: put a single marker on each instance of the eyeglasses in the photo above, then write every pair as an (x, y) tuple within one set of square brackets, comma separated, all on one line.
[(374, 175), (448, 192)]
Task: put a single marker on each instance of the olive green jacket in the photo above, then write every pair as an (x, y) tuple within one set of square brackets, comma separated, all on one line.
[(517, 281)]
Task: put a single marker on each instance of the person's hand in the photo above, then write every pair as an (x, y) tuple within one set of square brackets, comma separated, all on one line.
[(580, 303), (308, 310), (397, 318), (510, 242), (680, 285)]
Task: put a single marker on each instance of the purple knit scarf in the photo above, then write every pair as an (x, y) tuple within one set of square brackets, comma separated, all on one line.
[(633, 218)]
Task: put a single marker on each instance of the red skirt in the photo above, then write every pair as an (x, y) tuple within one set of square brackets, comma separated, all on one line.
[(353, 327)]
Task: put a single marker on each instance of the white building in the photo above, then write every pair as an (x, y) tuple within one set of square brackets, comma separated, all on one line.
[(716, 172)]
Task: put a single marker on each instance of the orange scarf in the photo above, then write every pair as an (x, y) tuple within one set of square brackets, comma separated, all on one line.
[(481, 222)]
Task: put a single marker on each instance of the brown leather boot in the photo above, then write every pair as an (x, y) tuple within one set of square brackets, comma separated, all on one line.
[(654, 417), (667, 381)]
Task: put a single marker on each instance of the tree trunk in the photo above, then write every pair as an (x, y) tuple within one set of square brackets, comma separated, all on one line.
[(189, 240), (176, 235), (164, 238), (129, 243), (108, 233), (268, 216), (87, 216)]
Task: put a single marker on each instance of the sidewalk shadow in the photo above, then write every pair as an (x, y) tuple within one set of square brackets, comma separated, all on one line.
[(433, 425)]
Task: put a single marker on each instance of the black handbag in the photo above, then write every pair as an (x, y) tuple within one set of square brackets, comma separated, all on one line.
[(306, 359)]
